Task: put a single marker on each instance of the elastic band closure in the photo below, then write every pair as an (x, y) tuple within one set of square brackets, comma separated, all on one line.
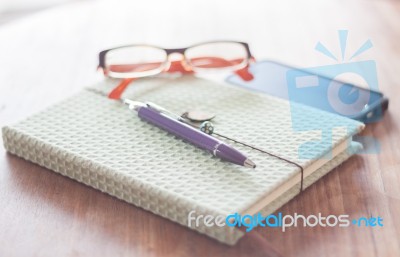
[(271, 154)]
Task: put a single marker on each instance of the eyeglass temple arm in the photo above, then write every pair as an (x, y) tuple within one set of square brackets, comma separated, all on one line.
[(117, 92), (245, 73)]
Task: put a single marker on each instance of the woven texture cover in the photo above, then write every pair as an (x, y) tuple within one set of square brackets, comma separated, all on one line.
[(101, 143)]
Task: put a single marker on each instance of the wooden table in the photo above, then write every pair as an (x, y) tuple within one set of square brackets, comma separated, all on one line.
[(50, 55)]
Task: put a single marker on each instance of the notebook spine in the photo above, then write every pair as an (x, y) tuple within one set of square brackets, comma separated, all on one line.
[(114, 183)]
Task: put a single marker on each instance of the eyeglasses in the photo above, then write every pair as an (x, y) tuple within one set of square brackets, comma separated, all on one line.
[(137, 61)]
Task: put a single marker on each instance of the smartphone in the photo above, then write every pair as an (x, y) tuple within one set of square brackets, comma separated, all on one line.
[(316, 90)]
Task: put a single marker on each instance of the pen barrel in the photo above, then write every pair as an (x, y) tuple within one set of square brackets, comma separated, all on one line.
[(192, 135), (179, 129)]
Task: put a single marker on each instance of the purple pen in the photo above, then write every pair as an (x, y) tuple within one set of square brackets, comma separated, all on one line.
[(165, 120)]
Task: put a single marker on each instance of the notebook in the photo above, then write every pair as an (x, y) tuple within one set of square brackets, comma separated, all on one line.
[(101, 143)]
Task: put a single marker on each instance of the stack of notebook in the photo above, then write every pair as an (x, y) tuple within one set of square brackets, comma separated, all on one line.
[(101, 143)]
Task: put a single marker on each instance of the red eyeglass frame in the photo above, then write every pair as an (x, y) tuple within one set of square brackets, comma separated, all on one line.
[(176, 66)]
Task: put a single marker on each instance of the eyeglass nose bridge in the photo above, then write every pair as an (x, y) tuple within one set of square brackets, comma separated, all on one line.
[(176, 50), (177, 65)]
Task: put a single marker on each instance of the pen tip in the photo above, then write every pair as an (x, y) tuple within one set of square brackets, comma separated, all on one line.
[(248, 163)]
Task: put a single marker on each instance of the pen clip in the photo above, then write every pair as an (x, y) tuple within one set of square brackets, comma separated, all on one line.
[(133, 105), (163, 111)]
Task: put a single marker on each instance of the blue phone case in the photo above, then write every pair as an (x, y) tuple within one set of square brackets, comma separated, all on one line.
[(309, 87)]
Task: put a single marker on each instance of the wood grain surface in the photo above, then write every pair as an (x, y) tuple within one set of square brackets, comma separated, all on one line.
[(53, 54)]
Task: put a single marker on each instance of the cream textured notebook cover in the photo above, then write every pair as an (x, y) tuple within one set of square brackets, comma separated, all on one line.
[(101, 143)]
